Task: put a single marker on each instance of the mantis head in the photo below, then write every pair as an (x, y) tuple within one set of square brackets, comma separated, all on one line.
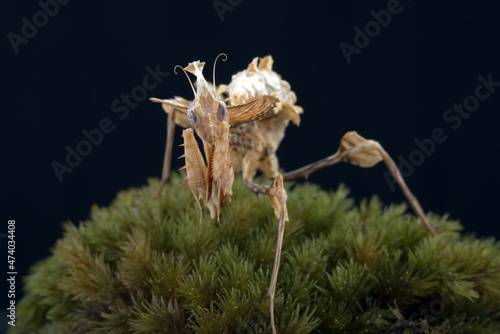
[(206, 111)]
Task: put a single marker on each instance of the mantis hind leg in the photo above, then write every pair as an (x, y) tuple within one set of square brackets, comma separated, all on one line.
[(364, 153), (278, 196)]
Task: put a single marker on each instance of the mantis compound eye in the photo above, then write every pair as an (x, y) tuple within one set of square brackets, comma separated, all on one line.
[(193, 117), (221, 110)]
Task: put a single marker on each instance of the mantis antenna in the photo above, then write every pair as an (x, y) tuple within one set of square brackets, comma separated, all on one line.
[(215, 62), (183, 70)]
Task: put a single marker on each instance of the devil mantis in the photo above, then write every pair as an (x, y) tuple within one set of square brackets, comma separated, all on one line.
[(241, 133)]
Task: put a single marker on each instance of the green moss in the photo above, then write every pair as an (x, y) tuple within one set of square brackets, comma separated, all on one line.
[(146, 265)]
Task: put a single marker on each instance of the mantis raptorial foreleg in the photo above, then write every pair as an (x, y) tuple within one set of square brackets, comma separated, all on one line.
[(196, 168), (222, 173), (214, 178), (364, 153), (278, 196)]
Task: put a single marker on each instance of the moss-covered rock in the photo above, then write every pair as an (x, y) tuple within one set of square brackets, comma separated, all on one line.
[(146, 265)]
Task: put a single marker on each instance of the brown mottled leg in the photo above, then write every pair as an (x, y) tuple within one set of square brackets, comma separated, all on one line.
[(364, 153), (167, 158), (278, 196)]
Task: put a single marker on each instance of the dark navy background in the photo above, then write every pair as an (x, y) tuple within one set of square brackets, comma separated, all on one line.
[(396, 90)]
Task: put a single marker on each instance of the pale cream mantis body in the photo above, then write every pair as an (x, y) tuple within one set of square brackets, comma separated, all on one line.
[(243, 135)]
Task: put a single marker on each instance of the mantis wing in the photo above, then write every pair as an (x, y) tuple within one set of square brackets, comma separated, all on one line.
[(260, 108)]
